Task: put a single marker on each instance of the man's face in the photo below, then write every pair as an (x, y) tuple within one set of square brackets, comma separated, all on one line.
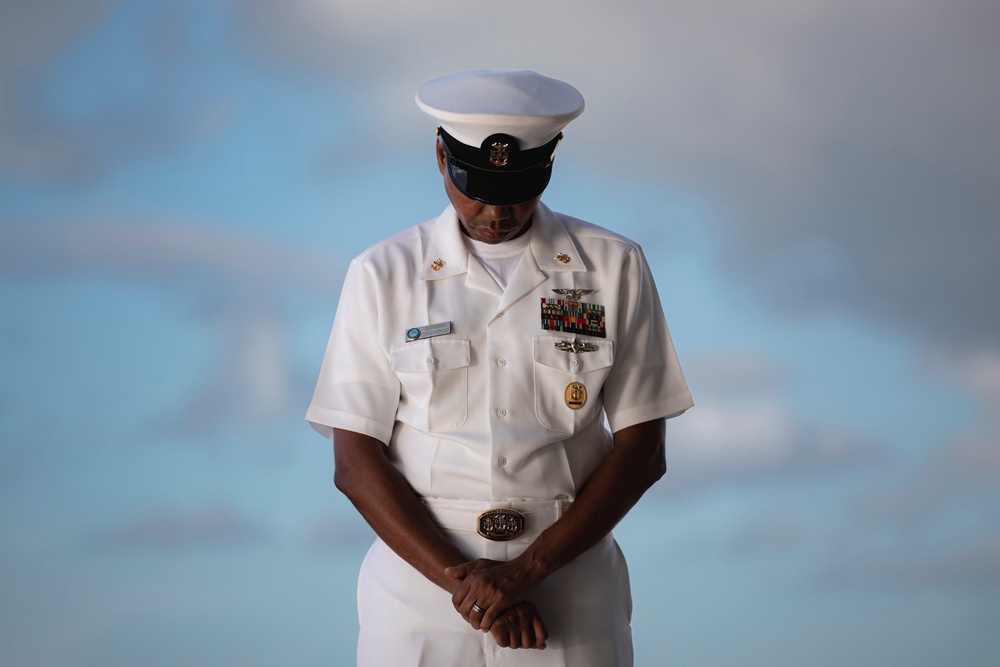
[(485, 222)]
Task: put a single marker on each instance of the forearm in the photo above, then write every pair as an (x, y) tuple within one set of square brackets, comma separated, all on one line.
[(635, 463), (390, 506), (630, 468)]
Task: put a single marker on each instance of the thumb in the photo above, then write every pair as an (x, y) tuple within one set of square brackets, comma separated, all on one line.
[(458, 571)]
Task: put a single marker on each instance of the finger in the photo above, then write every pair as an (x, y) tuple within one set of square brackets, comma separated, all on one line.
[(527, 638), (541, 634), (501, 634), (515, 636), (476, 617), (459, 598), (490, 616), (511, 622)]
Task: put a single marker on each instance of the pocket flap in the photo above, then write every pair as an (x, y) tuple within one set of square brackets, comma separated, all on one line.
[(547, 354), (432, 354)]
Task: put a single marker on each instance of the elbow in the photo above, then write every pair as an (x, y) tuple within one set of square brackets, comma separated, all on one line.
[(341, 480), (660, 469), (344, 479), (657, 469), (346, 476), (355, 461), (658, 464)]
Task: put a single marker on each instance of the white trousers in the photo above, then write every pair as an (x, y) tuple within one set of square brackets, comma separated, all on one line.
[(406, 621)]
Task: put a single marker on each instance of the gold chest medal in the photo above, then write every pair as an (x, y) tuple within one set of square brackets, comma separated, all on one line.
[(575, 395)]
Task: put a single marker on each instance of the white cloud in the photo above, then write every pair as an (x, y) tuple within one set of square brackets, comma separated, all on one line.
[(979, 370), (743, 426), (29, 34), (974, 565), (251, 379), (766, 535), (756, 432), (171, 252), (867, 130), (113, 118), (864, 134), (951, 480), (340, 532), (207, 526)]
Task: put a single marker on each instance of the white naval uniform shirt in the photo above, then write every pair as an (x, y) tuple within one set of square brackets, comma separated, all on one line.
[(482, 412)]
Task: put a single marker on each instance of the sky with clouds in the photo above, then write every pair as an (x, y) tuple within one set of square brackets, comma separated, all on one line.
[(815, 184)]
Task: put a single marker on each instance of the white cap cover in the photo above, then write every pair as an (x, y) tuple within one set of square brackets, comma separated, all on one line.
[(472, 106)]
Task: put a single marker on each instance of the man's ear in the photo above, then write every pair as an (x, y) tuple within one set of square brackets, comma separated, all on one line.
[(442, 157)]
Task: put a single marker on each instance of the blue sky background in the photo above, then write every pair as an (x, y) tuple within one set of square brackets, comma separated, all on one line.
[(815, 184)]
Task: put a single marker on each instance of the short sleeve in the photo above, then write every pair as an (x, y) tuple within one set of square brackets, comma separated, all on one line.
[(357, 390), (645, 381)]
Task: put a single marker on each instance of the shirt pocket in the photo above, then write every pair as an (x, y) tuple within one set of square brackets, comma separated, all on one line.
[(564, 380), (434, 375)]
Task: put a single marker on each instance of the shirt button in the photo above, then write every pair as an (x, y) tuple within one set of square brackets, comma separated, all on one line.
[(502, 461), (501, 362), (574, 362), (430, 361), (501, 413)]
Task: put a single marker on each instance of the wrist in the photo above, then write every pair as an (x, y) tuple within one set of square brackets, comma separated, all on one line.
[(534, 564)]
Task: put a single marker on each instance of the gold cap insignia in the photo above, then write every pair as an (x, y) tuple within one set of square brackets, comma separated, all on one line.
[(437, 264), (499, 154), (575, 395), (563, 257)]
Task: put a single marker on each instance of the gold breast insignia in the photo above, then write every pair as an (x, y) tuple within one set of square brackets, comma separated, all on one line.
[(575, 395)]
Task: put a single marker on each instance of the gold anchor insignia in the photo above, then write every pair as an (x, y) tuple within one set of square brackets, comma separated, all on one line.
[(437, 264), (575, 395), (563, 257), (576, 347), (573, 294), (499, 154)]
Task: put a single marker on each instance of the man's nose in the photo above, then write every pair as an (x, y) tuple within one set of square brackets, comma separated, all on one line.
[(497, 213)]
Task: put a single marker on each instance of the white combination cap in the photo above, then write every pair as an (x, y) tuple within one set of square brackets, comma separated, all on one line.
[(500, 130), (471, 106)]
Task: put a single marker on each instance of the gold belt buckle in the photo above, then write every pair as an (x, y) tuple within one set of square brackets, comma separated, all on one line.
[(500, 525)]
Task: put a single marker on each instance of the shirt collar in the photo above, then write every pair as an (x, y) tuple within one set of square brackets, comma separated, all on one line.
[(446, 254), (551, 246)]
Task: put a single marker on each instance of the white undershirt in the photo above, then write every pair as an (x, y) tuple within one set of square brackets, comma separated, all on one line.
[(499, 259)]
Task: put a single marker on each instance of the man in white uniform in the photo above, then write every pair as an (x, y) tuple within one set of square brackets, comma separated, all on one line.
[(476, 363)]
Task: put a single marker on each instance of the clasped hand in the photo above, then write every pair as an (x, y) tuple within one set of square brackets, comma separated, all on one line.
[(499, 589)]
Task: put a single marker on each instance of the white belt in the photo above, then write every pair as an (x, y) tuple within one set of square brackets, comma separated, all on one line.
[(463, 515)]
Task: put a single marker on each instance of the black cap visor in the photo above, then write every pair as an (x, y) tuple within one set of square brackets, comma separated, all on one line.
[(498, 186), (499, 189)]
